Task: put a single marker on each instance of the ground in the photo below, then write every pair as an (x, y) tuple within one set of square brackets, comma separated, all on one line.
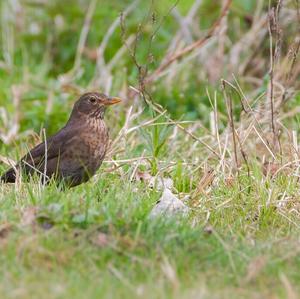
[(219, 122)]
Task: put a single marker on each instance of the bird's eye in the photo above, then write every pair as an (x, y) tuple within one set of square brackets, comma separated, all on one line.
[(92, 100)]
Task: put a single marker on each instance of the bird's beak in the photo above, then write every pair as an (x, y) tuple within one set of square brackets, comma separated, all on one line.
[(112, 101)]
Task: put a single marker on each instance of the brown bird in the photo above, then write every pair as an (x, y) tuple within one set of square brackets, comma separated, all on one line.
[(74, 153)]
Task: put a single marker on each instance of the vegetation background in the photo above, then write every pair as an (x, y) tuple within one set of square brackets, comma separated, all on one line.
[(211, 102)]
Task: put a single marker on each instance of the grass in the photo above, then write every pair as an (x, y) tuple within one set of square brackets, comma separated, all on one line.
[(241, 238), (98, 242)]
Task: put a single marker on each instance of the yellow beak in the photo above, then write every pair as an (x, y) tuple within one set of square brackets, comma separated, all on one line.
[(112, 101)]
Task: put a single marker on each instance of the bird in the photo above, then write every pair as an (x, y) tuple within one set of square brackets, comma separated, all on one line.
[(74, 154)]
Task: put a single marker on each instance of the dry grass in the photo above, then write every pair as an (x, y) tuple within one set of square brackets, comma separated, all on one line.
[(236, 166)]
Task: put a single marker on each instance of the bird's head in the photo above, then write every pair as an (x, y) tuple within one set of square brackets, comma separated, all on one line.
[(94, 104)]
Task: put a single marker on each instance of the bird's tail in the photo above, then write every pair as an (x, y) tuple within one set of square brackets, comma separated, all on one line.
[(9, 176)]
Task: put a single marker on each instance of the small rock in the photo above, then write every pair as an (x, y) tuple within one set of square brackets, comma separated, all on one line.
[(169, 205)]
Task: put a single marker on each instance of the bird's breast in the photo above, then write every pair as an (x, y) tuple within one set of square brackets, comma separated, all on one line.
[(94, 142), (89, 146)]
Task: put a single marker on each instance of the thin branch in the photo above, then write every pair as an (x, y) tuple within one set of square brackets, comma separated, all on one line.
[(231, 122), (271, 71)]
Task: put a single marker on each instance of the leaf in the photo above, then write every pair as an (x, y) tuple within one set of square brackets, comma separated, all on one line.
[(205, 182), (100, 240), (29, 216)]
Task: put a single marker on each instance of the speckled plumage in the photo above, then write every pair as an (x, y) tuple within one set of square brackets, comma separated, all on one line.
[(75, 152)]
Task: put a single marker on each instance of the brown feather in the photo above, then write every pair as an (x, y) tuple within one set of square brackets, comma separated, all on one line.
[(75, 152)]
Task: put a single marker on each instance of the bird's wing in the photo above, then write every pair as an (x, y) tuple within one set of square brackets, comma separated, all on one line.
[(53, 147), (35, 158)]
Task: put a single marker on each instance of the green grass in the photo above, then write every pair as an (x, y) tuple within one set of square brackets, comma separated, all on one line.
[(57, 255), (241, 238)]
